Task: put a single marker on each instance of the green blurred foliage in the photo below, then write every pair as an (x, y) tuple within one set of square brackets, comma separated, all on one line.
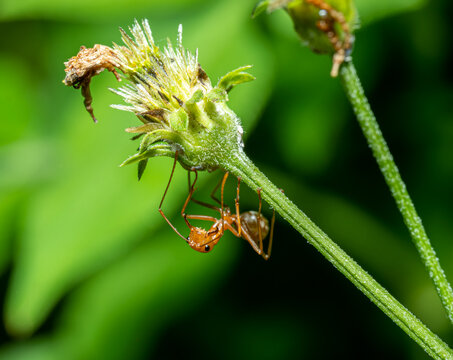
[(92, 271), (372, 10)]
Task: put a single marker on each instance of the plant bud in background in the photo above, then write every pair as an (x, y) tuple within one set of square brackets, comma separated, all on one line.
[(325, 26)]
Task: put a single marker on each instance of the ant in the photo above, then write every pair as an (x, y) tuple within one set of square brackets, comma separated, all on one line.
[(250, 225), (330, 16)]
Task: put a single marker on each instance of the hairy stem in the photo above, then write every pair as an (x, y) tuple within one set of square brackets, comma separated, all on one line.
[(240, 165), (396, 185)]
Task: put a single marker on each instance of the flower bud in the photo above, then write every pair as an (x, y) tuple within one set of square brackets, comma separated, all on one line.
[(326, 26)]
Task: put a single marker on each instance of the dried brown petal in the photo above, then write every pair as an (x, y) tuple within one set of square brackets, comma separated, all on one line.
[(87, 63)]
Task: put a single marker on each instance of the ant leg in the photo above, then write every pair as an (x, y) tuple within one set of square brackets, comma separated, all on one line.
[(205, 204), (271, 235), (225, 177), (201, 217), (238, 214), (191, 190), (214, 191), (213, 197), (260, 235), (342, 47), (190, 198), (245, 235), (198, 201), (189, 182), (163, 197), (335, 15)]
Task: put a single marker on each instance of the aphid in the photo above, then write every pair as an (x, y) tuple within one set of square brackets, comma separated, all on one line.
[(251, 225)]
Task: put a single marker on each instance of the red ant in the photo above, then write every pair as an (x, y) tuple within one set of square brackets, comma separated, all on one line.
[(250, 225), (330, 16)]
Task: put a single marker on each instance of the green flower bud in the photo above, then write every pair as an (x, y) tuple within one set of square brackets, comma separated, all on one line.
[(326, 26), (169, 92)]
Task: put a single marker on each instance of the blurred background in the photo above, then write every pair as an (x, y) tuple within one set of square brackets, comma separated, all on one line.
[(90, 270)]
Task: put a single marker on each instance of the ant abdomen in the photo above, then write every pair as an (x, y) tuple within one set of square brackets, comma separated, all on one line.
[(249, 222)]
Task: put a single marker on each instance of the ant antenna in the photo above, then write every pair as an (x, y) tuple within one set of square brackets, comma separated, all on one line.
[(163, 197)]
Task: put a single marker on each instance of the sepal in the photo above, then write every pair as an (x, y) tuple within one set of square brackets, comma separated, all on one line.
[(141, 168), (160, 148), (196, 97), (235, 77), (179, 120), (216, 95)]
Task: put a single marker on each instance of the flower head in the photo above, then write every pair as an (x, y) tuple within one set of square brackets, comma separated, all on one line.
[(163, 80), (181, 112)]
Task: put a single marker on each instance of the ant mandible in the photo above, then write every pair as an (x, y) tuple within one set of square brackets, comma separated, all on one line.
[(250, 225)]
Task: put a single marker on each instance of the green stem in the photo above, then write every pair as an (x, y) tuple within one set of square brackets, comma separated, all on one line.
[(240, 165), (397, 187)]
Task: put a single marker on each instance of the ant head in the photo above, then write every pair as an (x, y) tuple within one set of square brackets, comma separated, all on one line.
[(200, 240)]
